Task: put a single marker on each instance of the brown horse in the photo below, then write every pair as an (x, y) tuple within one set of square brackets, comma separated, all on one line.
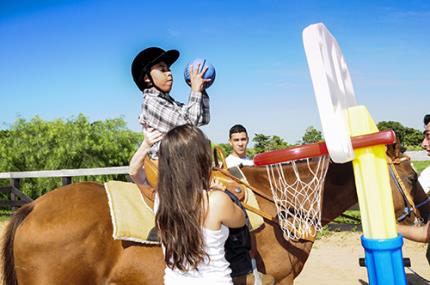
[(65, 236)]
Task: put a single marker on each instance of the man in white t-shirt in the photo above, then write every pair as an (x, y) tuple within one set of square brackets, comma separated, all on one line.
[(420, 234), (424, 178), (238, 139), (426, 141)]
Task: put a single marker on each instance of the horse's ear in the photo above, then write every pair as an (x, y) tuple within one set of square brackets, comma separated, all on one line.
[(390, 151), (398, 147), (394, 150)]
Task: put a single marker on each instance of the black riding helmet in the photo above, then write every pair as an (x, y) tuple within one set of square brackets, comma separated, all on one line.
[(145, 59)]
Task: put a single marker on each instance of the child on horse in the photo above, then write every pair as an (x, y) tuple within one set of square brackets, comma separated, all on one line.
[(152, 75)]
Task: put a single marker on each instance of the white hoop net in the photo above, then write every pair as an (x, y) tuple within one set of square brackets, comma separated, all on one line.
[(297, 188)]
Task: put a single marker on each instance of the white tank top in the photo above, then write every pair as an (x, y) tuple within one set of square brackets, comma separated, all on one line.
[(213, 271), (216, 270)]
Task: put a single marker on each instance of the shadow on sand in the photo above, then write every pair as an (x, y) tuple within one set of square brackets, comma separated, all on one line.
[(412, 280)]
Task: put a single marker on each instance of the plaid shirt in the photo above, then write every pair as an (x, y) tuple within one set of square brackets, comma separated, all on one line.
[(161, 112)]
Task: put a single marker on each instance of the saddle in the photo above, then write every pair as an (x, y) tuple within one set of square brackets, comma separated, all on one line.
[(151, 171)]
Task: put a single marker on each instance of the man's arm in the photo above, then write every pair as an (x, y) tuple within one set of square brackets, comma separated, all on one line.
[(418, 234)]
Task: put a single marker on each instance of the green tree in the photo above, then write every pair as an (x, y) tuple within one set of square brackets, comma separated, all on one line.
[(264, 143), (226, 148), (65, 144), (395, 126), (312, 135), (409, 137), (413, 137), (261, 143)]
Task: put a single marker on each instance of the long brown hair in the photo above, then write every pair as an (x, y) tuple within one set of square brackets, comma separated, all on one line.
[(184, 171)]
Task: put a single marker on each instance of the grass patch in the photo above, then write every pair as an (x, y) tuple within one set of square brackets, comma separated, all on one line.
[(324, 232), (355, 214), (5, 215), (341, 224), (420, 165)]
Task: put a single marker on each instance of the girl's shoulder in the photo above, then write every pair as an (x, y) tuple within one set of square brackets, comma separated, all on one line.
[(218, 207), (222, 210), (218, 197), (220, 202)]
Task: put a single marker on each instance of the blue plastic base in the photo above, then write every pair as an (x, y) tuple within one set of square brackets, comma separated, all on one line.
[(384, 261)]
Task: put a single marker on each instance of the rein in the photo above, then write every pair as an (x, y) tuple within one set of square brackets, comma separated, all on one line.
[(410, 206), (423, 203), (407, 200)]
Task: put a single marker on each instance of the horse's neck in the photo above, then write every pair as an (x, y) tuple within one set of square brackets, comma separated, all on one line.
[(339, 191)]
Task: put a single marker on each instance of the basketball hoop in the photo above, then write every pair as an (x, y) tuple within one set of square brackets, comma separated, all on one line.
[(297, 176)]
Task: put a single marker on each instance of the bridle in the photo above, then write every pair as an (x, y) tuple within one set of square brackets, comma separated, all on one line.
[(408, 202)]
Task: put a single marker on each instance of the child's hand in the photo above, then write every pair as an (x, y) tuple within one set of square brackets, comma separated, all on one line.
[(196, 78)]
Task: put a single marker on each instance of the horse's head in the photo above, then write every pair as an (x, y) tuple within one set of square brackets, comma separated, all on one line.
[(408, 194)]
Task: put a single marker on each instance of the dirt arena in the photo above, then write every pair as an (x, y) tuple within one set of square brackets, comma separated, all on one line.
[(334, 260)]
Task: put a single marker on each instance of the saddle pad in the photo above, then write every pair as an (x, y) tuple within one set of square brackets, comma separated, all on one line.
[(255, 220), (132, 218)]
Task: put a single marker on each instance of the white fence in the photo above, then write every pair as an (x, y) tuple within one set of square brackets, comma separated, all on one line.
[(418, 155), (17, 198)]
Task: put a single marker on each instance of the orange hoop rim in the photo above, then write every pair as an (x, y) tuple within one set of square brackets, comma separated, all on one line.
[(320, 148)]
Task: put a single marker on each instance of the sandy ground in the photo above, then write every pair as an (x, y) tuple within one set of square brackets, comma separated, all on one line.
[(334, 260)]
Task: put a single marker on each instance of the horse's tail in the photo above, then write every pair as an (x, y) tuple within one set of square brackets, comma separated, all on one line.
[(9, 274)]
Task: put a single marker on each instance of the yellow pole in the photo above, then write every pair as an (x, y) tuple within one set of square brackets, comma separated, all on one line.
[(371, 179)]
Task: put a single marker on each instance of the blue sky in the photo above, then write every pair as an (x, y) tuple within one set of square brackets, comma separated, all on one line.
[(62, 58)]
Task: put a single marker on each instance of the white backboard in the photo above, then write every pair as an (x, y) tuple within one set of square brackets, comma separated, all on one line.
[(332, 87)]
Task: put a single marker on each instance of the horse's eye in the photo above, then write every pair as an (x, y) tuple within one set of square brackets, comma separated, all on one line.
[(412, 179)]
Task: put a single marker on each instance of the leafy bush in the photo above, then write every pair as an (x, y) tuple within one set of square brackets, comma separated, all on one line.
[(64, 144), (408, 136)]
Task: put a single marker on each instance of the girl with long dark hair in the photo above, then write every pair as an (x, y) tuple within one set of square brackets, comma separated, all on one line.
[(192, 215)]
